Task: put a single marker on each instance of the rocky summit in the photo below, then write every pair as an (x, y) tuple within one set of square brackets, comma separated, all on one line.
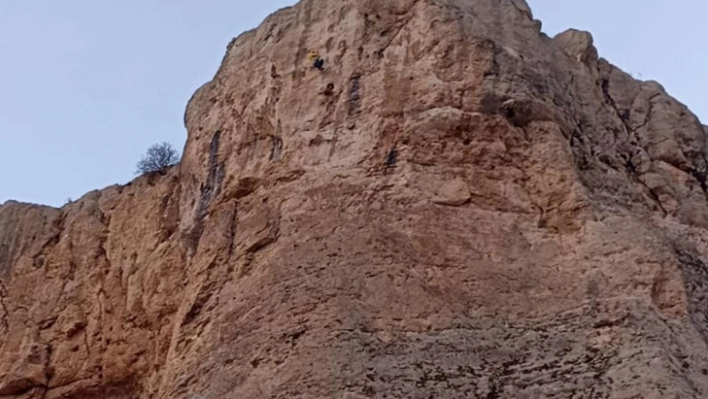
[(451, 205)]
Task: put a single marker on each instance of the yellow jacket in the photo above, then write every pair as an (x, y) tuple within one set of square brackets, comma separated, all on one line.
[(313, 55)]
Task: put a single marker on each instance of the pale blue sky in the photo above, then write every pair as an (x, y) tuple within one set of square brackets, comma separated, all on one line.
[(87, 85)]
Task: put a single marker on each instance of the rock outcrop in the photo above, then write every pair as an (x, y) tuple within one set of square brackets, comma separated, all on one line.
[(457, 206)]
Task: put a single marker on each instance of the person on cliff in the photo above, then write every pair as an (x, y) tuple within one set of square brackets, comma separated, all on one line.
[(317, 62)]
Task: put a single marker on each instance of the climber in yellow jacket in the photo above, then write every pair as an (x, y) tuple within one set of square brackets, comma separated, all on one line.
[(314, 57)]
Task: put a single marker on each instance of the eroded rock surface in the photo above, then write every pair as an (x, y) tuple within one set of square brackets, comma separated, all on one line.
[(457, 206)]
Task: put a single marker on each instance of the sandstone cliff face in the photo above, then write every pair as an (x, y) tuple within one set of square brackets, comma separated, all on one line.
[(458, 206)]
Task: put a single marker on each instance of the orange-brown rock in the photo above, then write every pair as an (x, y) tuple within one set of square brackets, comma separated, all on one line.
[(458, 206)]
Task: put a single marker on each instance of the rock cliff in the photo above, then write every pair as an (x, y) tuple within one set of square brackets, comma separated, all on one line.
[(458, 206)]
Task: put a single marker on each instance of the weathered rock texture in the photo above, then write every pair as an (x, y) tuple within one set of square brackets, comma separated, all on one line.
[(457, 207)]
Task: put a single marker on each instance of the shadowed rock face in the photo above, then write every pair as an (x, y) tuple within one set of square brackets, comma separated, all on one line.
[(457, 206)]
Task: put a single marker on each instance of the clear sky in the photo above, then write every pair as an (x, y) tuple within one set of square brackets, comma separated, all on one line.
[(86, 86)]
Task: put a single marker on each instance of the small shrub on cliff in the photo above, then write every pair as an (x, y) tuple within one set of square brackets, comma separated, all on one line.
[(158, 158)]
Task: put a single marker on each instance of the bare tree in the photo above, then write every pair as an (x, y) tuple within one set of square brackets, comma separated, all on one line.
[(158, 158)]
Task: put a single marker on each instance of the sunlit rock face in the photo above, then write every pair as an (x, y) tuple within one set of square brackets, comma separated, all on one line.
[(456, 206)]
